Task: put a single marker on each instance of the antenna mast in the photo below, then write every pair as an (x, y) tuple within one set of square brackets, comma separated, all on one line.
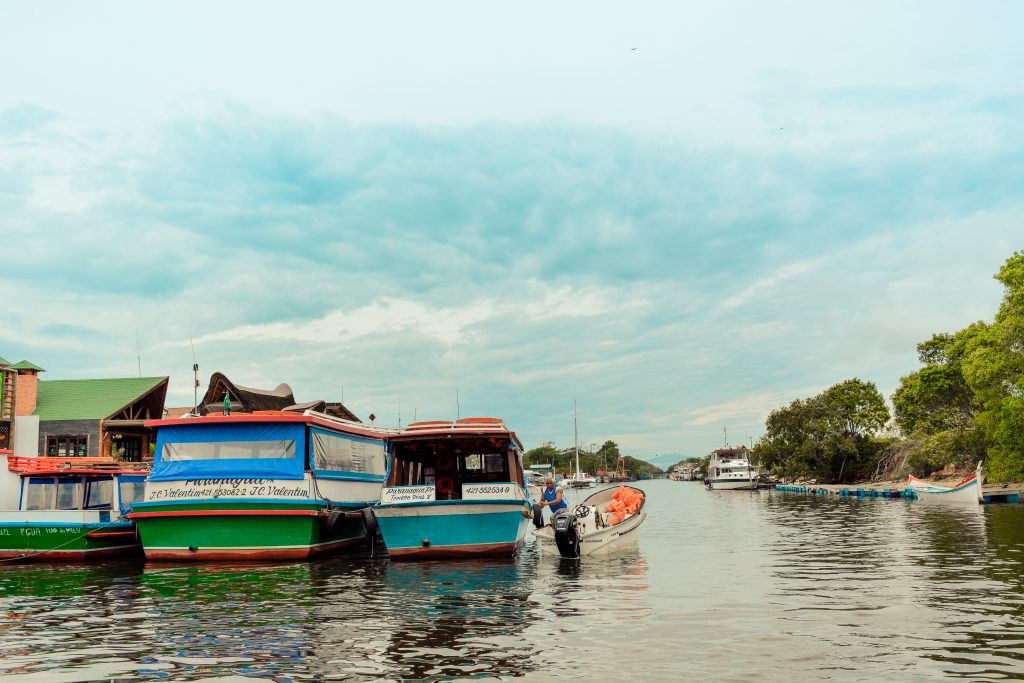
[(195, 372), (576, 438), (138, 352)]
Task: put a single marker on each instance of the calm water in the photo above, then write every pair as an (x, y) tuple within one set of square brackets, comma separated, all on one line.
[(722, 585)]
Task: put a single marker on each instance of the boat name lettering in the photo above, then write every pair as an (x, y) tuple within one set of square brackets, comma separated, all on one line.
[(225, 488), (5, 532), (488, 489), (410, 494), (233, 483)]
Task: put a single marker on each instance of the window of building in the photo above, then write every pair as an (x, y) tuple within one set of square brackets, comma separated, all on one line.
[(127, 448), (67, 446)]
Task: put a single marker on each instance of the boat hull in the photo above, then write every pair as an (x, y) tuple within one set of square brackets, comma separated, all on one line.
[(201, 531), (66, 542), (968, 493), (732, 484), (453, 529), (601, 542)]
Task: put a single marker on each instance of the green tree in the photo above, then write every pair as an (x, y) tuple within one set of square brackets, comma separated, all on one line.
[(830, 437), (967, 401), (994, 369), (545, 454), (936, 408)]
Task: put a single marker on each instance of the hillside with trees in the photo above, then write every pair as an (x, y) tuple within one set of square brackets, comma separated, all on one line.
[(964, 404), (605, 457)]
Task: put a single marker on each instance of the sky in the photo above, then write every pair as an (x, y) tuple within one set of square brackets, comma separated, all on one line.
[(678, 216)]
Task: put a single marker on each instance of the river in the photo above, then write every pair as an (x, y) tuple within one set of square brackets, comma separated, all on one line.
[(723, 585)]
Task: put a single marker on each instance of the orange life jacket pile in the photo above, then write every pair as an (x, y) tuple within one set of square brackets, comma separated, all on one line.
[(625, 501)]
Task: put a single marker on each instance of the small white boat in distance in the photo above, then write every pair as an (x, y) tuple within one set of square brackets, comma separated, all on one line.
[(604, 521), (730, 468), (580, 480), (967, 492)]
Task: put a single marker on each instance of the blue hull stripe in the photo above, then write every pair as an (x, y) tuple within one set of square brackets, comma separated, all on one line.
[(453, 530)]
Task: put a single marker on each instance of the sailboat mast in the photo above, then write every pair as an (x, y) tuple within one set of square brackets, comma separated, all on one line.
[(576, 439)]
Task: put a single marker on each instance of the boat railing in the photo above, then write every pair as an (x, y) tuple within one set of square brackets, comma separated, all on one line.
[(351, 423), (468, 424), (39, 465)]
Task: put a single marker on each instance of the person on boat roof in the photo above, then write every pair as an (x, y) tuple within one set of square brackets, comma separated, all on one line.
[(552, 497)]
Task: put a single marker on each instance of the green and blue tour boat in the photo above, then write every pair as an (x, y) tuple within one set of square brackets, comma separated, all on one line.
[(67, 509), (455, 489), (268, 485)]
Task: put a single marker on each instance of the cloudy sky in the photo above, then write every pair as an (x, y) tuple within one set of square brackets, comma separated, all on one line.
[(678, 216)]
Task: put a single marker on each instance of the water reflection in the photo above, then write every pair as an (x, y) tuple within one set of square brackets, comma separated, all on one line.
[(759, 585)]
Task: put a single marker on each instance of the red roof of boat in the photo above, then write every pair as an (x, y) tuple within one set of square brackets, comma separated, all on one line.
[(71, 465), (467, 426)]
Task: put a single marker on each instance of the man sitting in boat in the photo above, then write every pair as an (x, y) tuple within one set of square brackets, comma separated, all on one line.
[(552, 497)]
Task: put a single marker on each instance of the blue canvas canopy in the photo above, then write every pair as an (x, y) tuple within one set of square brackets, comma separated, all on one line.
[(244, 450)]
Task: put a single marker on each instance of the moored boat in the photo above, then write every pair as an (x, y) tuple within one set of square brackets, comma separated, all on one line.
[(730, 468), (268, 485), (967, 492), (67, 509), (604, 521), (455, 489)]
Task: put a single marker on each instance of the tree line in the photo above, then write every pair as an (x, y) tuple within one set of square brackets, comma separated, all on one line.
[(606, 457), (964, 404)]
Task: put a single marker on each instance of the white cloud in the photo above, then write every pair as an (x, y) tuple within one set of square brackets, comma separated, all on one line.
[(753, 407)]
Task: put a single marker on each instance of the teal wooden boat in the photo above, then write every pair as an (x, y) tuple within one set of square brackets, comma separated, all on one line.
[(455, 490), (67, 509)]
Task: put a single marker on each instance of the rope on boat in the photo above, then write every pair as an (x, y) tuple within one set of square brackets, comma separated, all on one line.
[(26, 556)]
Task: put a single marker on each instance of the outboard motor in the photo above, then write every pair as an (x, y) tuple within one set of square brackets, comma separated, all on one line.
[(567, 538), (538, 516)]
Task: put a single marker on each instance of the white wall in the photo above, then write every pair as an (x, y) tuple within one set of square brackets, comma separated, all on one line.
[(26, 436), (10, 487)]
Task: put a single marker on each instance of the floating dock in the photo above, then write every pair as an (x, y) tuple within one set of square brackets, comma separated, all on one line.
[(992, 497)]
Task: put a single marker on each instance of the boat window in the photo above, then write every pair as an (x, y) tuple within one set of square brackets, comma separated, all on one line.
[(342, 454), (494, 462), (473, 462), (229, 450), (131, 492), (69, 494), (39, 494), (99, 494)]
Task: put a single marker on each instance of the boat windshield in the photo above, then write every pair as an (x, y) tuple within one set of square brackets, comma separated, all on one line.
[(448, 465), (131, 492), (68, 493)]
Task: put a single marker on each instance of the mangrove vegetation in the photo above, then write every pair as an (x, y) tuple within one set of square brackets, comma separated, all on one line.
[(963, 405)]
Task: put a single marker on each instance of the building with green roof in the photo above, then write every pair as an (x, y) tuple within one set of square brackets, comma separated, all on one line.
[(98, 417), (77, 417)]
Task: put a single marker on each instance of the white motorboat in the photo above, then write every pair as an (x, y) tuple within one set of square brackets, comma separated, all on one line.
[(730, 468), (580, 480), (967, 492), (605, 520)]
